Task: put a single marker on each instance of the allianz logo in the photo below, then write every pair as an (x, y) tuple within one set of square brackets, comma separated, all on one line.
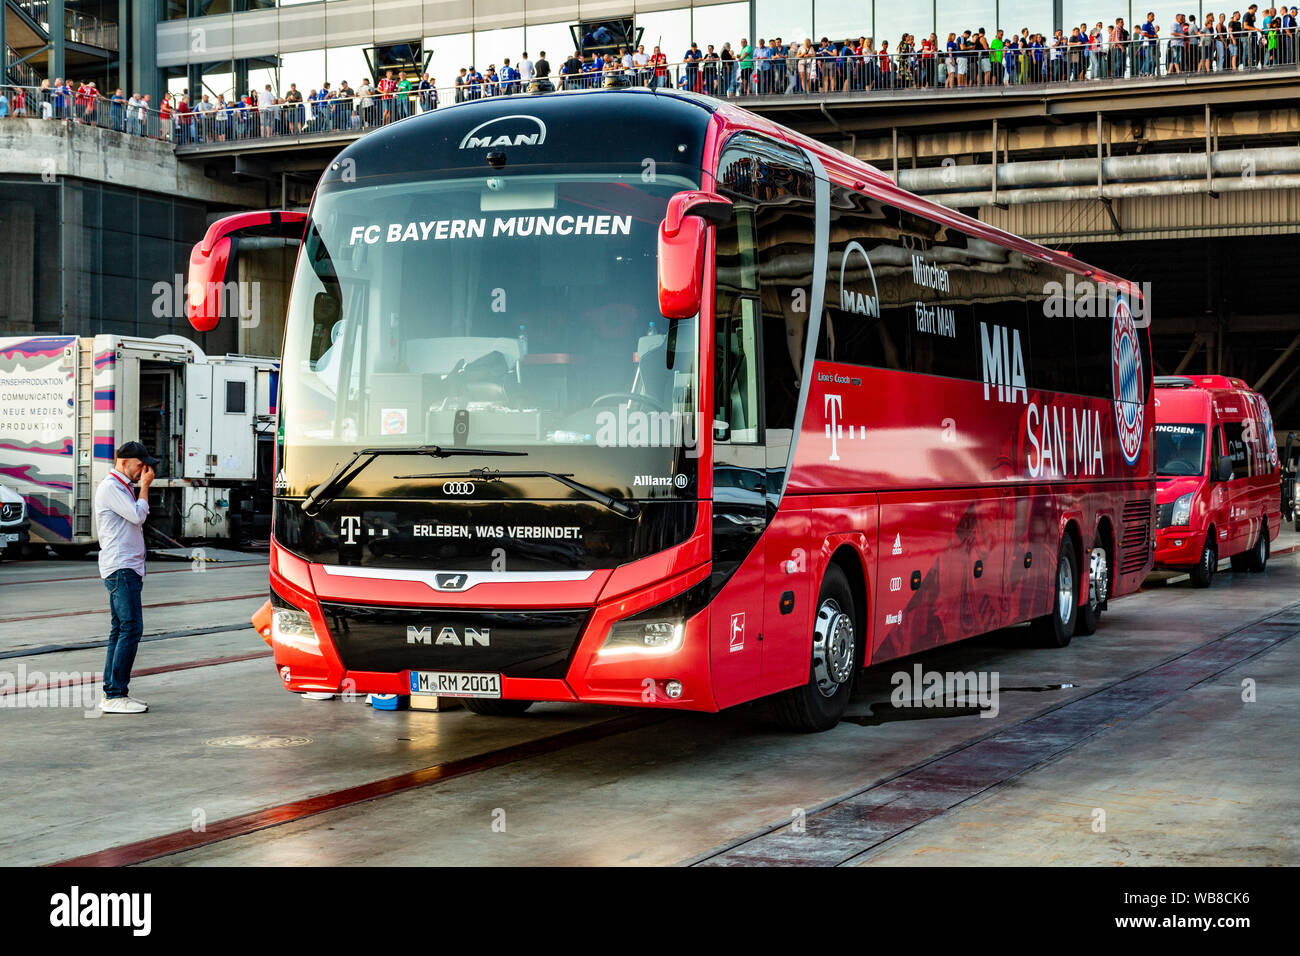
[(449, 635)]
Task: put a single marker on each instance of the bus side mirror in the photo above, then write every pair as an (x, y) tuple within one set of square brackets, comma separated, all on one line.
[(682, 237), (215, 258), (1223, 468)]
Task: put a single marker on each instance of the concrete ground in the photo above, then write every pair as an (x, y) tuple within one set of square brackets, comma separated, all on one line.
[(1154, 733)]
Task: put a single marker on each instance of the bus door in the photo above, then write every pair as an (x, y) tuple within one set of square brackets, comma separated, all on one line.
[(763, 282)]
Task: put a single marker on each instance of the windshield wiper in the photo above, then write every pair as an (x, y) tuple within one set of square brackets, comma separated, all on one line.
[(344, 474), (628, 509)]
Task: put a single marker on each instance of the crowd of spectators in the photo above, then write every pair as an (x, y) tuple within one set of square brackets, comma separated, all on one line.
[(1219, 42), (971, 58)]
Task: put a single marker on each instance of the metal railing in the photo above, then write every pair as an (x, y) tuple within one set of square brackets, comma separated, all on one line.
[(817, 74), (45, 103), (22, 73), (828, 76), (77, 26), (831, 73), (211, 122)]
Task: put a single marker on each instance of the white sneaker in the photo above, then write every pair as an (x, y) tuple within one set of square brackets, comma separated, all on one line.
[(122, 705)]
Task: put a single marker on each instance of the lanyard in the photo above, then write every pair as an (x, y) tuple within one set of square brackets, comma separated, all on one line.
[(125, 484)]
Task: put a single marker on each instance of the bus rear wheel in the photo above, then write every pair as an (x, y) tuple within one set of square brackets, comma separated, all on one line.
[(819, 704), (495, 708), (1089, 617), (1257, 557), (1056, 629)]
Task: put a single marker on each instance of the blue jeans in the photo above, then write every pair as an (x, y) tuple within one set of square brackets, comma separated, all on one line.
[(124, 636)]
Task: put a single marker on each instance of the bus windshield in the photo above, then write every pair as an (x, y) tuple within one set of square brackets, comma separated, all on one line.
[(1180, 450), (511, 312)]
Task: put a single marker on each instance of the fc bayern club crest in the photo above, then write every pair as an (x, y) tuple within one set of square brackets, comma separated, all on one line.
[(1126, 377)]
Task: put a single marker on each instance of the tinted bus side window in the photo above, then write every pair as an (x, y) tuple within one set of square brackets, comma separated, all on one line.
[(774, 218), (1234, 434), (867, 308)]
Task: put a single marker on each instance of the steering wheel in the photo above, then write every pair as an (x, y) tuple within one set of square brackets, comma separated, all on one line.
[(1179, 467), (625, 396)]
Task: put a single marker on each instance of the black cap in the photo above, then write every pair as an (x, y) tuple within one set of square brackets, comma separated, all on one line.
[(133, 449)]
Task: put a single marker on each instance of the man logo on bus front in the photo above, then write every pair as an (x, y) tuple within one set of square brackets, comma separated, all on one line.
[(1126, 378), (480, 137)]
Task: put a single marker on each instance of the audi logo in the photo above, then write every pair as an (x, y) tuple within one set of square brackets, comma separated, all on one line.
[(458, 487)]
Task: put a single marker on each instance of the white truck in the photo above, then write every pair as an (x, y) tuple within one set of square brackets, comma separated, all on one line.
[(66, 402)]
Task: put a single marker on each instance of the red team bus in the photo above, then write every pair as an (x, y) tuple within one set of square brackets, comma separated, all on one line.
[(635, 397)]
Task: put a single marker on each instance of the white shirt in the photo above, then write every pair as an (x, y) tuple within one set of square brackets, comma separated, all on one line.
[(119, 521), (641, 59), (265, 99), (525, 70)]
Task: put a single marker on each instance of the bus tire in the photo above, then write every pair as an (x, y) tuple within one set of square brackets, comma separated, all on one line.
[(1203, 573), (1056, 629), (832, 670), (1257, 557), (495, 708), (1088, 618)]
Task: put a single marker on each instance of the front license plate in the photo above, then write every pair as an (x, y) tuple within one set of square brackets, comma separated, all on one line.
[(455, 684)]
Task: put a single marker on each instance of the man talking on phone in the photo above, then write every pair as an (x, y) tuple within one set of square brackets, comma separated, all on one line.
[(120, 514)]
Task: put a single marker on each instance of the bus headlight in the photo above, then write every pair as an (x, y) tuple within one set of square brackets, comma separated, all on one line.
[(1182, 513), (658, 635), (659, 629), (292, 627)]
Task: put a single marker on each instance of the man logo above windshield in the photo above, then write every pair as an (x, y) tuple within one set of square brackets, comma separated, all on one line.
[(505, 131)]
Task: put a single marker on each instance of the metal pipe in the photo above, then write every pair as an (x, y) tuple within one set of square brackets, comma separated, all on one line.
[(1281, 360), (853, 137), (1209, 166), (1197, 339), (1114, 169), (1016, 197)]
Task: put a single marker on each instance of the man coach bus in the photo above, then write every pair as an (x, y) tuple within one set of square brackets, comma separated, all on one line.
[(710, 414)]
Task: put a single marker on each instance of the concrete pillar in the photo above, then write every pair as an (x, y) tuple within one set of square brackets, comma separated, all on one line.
[(58, 36), (145, 78), (124, 45)]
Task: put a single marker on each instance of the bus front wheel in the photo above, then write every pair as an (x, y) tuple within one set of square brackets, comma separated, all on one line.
[(819, 704), (1203, 573), (1056, 629), (495, 708)]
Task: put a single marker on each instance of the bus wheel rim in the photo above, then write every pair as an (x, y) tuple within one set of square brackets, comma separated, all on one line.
[(1064, 590), (1099, 578), (833, 648)]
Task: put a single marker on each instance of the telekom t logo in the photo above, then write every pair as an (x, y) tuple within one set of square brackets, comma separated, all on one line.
[(350, 527), (833, 407)]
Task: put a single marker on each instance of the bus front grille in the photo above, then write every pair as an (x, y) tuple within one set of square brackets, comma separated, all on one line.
[(516, 643)]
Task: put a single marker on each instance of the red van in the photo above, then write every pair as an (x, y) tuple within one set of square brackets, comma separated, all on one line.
[(1218, 481)]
